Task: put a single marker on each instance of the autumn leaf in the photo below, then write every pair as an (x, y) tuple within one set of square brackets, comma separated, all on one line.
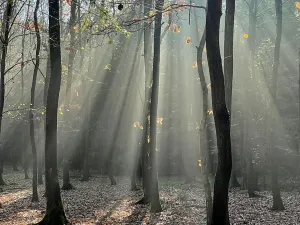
[(188, 40), (204, 50), (210, 112), (298, 5), (200, 163), (107, 67), (69, 2), (150, 13), (195, 65), (245, 36)]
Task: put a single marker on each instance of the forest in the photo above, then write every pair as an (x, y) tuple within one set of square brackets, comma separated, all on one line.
[(149, 112)]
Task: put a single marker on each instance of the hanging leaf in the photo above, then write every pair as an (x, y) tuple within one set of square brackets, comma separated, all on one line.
[(245, 36), (195, 65), (200, 163), (298, 5), (107, 67), (188, 40), (69, 2)]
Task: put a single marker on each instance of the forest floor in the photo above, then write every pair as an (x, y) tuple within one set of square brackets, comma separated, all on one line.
[(97, 202)]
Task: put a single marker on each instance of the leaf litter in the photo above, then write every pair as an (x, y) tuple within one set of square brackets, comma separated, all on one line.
[(97, 202)]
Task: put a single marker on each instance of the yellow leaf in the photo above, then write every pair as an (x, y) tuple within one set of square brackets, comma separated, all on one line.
[(210, 112), (151, 13), (148, 139), (188, 40), (204, 50), (195, 65), (200, 163), (245, 36), (209, 85), (298, 5)]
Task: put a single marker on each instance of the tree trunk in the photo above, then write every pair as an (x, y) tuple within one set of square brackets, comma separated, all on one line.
[(154, 193), (32, 105), (146, 108), (204, 150), (228, 71), (22, 124), (277, 201), (299, 102), (4, 39), (220, 213), (66, 176), (45, 91), (55, 214)]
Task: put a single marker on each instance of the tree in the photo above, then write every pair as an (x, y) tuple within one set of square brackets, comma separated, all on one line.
[(66, 176), (220, 213), (154, 193), (277, 201), (228, 69), (146, 107), (55, 214), (203, 129), (32, 105), (4, 39)]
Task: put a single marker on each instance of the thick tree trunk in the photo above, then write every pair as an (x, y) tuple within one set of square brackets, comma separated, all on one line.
[(66, 176), (220, 213), (277, 201), (32, 105), (55, 214)]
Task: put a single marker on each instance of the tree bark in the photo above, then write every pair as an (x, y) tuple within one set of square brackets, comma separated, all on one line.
[(5, 40), (204, 150), (154, 193), (220, 213), (228, 71), (55, 214), (66, 176), (146, 108), (277, 201), (32, 105)]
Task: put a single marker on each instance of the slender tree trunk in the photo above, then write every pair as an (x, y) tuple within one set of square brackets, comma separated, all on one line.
[(154, 192), (220, 213), (277, 201), (203, 130), (55, 214), (145, 147), (66, 176), (228, 69), (22, 125), (32, 105), (4, 40), (299, 101), (87, 124), (46, 86)]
